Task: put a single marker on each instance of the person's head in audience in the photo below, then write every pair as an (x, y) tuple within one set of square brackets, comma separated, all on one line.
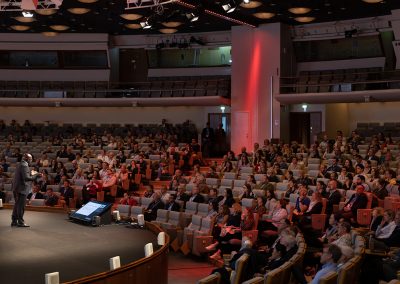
[(246, 243), (332, 185), (332, 221), (322, 168), (397, 218), (377, 211), (281, 204), (123, 168), (388, 216), (212, 206), (359, 189), (237, 209), (49, 192), (316, 197), (333, 175), (66, 183), (178, 173), (302, 190), (260, 201), (110, 172), (288, 240), (228, 193), (271, 194), (251, 179), (223, 210), (195, 190), (104, 166), (157, 196), (149, 189), (320, 186), (96, 175), (359, 168), (171, 198), (35, 187), (331, 254), (181, 188), (163, 189), (344, 228)]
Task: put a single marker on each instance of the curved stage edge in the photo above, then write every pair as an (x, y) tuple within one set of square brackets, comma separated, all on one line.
[(153, 269)]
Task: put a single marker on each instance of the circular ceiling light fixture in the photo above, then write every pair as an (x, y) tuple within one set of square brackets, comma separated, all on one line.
[(24, 20), (133, 26), (46, 12), (167, 31), (264, 15), (20, 28), (299, 10), (172, 24), (59, 28), (49, 34), (131, 17), (78, 11), (88, 1), (304, 19), (250, 5)]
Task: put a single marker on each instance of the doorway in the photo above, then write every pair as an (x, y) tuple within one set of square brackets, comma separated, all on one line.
[(305, 127), (225, 119), (133, 65)]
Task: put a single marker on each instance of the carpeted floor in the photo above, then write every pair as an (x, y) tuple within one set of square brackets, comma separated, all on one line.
[(52, 243)]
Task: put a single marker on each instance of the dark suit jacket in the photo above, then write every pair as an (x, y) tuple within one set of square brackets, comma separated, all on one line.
[(360, 203), (67, 192), (184, 197), (198, 198), (333, 199), (154, 206), (38, 195), (316, 209), (22, 178), (174, 207)]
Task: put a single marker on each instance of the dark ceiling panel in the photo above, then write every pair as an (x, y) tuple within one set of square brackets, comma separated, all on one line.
[(104, 15)]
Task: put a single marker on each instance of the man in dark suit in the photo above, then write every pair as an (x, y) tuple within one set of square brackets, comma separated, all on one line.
[(196, 196), (151, 212), (207, 140), (172, 205), (357, 201), (66, 192), (20, 186), (35, 194), (334, 197)]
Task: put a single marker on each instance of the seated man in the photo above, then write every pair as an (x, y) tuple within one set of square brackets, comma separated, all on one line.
[(51, 198), (66, 192), (329, 259), (35, 194), (151, 211), (196, 196), (172, 205), (357, 201)]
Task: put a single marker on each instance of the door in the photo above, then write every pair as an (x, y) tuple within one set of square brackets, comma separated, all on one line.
[(225, 119), (305, 126), (133, 65)]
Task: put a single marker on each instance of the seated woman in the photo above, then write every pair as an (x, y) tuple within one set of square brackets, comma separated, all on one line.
[(275, 218), (237, 222), (314, 208), (377, 216), (270, 204), (387, 225), (302, 204), (321, 188), (228, 199), (220, 220), (292, 188), (259, 207), (247, 192)]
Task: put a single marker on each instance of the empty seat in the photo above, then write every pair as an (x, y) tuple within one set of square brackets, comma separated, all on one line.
[(124, 210)]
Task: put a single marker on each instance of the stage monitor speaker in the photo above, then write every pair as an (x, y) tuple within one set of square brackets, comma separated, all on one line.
[(115, 262), (52, 278), (93, 213)]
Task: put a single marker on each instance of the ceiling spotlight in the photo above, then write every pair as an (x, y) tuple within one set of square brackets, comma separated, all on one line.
[(229, 7), (192, 17), (246, 1), (27, 14), (145, 24)]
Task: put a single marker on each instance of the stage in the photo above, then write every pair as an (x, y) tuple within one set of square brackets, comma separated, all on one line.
[(53, 243)]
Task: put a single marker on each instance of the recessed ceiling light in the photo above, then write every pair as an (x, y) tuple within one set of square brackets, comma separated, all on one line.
[(46, 12), (20, 28), (78, 11), (251, 5), (304, 19), (167, 31), (59, 28), (25, 20), (372, 1), (131, 17), (264, 15), (171, 24), (299, 10), (133, 26), (49, 34)]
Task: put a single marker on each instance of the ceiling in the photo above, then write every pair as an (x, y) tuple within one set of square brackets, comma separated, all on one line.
[(104, 15)]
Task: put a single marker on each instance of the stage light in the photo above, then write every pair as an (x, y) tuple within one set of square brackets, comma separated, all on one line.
[(304, 106), (192, 17), (27, 14), (246, 1), (229, 7), (222, 109), (145, 24)]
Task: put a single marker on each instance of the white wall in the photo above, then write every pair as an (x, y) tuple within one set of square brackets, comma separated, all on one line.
[(123, 115)]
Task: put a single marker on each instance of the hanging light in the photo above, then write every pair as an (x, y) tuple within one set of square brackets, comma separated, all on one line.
[(250, 5), (172, 24), (193, 17), (167, 31), (299, 10), (25, 20), (372, 1), (20, 28), (78, 11), (59, 28), (46, 12), (229, 7), (49, 34), (304, 19), (264, 15), (131, 17)]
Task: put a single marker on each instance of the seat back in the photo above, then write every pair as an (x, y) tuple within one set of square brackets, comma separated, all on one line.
[(247, 202), (214, 278), (202, 209), (229, 175), (345, 273), (240, 266), (175, 218), (227, 182), (145, 201), (364, 217), (329, 278), (206, 226), (239, 182), (136, 210), (124, 210), (318, 221), (162, 216), (81, 182), (195, 225), (212, 181), (37, 202), (191, 207), (255, 280), (259, 192)]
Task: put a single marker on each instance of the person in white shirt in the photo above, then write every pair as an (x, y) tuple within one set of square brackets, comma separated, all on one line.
[(387, 226)]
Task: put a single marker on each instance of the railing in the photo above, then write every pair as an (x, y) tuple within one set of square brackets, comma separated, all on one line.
[(154, 89), (344, 81)]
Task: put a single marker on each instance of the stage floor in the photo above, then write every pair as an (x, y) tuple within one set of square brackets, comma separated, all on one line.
[(53, 243)]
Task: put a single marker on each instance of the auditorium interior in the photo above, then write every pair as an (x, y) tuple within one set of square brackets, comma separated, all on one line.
[(201, 141)]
